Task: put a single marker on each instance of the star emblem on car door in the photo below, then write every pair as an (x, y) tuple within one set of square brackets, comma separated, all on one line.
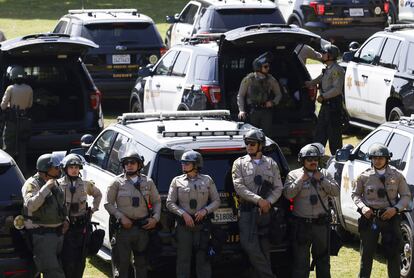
[(349, 82)]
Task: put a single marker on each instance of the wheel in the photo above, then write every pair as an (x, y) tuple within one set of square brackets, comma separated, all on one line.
[(296, 22), (407, 270), (346, 127), (136, 106), (395, 114)]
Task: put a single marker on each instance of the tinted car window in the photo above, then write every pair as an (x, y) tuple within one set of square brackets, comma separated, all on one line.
[(11, 182), (410, 58), (114, 166), (166, 63), (121, 33), (389, 53), (398, 145), (378, 137), (368, 53), (227, 19), (181, 64), (188, 14), (61, 27), (100, 150), (206, 68)]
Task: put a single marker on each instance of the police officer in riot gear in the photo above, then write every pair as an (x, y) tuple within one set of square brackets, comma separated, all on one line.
[(310, 188), (259, 92), (331, 83), (45, 215), (17, 99), (75, 191), (129, 198), (192, 197), (250, 173), (380, 193)]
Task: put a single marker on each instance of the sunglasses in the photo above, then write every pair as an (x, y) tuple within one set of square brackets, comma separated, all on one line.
[(311, 159), (186, 162), (250, 143)]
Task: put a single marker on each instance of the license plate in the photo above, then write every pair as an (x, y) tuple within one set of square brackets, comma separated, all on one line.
[(356, 12), (224, 215), (121, 59)]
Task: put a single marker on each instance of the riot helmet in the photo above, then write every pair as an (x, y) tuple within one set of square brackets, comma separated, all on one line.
[(194, 157), (264, 58), (17, 73), (310, 150), (48, 160), (379, 150), (256, 135), (332, 50), (131, 155), (73, 159)]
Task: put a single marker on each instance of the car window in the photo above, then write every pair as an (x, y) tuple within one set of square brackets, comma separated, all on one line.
[(227, 19), (122, 33), (166, 63), (181, 64), (398, 145), (188, 15), (380, 136), (370, 50), (206, 68), (61, 27), (100, 150), (114, 166), (11, 181), (389, 54), (410, 58)]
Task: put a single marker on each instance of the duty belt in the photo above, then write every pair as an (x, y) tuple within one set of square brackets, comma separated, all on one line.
[(140, 222), (47, 230), (257, 106), (321, 220)]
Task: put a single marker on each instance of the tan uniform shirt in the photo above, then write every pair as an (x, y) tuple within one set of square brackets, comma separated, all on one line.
[(17, 96), (301, 193), (82, 189), (366, 186), (33, 198), (245, 93), (200, 188), (306, 52), (331, 81), (244, 171), (122, 190)]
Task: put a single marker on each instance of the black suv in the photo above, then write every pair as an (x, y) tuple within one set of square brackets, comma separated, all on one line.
[(212, 18), (196, 76), (337, 21), (15, 258), (162, 138), (127, 40), (66, 103)]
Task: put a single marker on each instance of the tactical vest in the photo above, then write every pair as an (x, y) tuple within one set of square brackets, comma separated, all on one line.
[(52, 210), (259, 90)]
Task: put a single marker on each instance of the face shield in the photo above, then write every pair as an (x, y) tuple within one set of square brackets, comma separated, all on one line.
[(57, 158)]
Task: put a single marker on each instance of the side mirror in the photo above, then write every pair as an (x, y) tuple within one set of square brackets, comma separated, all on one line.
[(348, 56), (169, 19), (144, 72), (86, 141), (342, 155), (177, 17)]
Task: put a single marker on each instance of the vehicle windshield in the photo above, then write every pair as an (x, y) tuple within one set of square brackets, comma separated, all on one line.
[(228, 19), (121, 33)]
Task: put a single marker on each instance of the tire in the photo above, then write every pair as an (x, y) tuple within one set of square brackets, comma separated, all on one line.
[(395, 114), (407, 268), (296, 22), (136, 106)]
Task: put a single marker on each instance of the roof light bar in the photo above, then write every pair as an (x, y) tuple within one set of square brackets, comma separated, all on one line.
[(82, 11), (395, 27), (230, 133), (173, 114)]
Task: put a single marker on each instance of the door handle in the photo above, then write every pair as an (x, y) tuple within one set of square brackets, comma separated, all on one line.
[(179, 87), (387, 80), (290, 2), (364, 76), (157, 85)]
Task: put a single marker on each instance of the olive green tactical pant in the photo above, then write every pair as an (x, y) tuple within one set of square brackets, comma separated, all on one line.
[(257, 248), (133, 240), (391, 241), (310, 238), (47, 249), (329, 127), (15, 140), (189, 239), (262, 118)]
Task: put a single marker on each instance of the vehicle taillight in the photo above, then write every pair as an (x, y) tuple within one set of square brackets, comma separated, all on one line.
[(312, 92), (95, 98), (291, 205), (163, 50), (386, 7), (13, 273), (212, 92), (318, 8)]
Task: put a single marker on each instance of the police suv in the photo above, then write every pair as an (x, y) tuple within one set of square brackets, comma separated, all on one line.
[(161, 138), (379, 78), (405, 11), (349, 162)]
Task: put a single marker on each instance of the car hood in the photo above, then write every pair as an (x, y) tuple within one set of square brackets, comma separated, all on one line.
[(267, 36), (47, 45)]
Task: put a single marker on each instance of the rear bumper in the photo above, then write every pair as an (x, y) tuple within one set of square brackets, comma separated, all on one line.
[(16, 268), (296, 133)]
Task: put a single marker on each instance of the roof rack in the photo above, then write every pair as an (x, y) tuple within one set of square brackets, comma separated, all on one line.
[(129, 117), (202, 38), (107, 11), (407, 120), (396, 27)]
